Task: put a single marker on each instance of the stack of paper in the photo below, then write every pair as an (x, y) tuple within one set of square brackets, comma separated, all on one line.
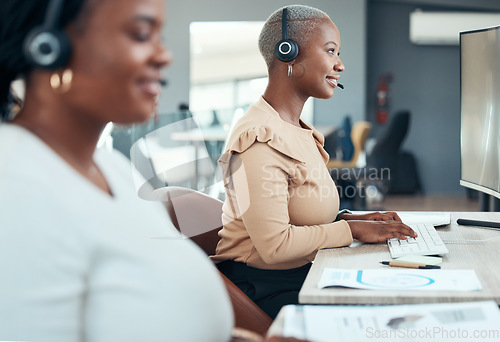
[(435, 218), (472, 321), (420, 259)]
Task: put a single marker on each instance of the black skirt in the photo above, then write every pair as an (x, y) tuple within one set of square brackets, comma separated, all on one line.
[(269, 289)]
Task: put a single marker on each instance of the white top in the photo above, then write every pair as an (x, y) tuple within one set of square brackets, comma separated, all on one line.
[(79, 265)]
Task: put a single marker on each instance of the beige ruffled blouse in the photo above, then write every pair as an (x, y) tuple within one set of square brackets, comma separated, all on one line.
[(281, 202)]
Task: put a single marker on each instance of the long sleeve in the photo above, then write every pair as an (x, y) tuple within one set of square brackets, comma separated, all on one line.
[(267, 219)]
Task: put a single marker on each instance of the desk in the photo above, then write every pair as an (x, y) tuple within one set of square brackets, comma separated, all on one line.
[(212, 133), (483, 257), (276, 328), (215, 135), (219, 133)]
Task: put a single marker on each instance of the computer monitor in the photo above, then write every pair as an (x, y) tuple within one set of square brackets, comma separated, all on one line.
[(480, 110)]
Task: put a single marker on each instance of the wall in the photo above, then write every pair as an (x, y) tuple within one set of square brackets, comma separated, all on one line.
[(374, 41), (349, 16), (426, 81)]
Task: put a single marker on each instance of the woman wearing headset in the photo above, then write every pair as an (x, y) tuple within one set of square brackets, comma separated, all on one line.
[(281, 204), (82, 257)]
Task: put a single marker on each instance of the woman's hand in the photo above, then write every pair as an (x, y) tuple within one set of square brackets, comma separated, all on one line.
[(377, 216), (379, 231)]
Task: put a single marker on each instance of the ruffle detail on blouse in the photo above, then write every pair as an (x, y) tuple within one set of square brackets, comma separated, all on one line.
[(266, 135), (261, 134)]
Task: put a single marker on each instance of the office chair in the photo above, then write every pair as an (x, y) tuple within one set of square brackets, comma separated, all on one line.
[(386, 149), (198, 216), (359, 133), (387, 154), (388, 169)]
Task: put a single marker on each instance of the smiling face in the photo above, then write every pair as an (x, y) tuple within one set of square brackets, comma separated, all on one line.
[(320, 62), (117, 60)]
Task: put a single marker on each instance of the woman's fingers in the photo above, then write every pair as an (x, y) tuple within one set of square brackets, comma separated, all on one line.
[(402, 231), (394, 216), (386, 216), (379, 231)]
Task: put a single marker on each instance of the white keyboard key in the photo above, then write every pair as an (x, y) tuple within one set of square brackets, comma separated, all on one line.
[(428, 242), (411, 241)]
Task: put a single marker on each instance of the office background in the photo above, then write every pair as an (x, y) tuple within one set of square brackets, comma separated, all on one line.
[(375, 41)]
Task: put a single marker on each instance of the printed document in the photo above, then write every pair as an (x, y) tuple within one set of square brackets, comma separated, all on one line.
[(397, 278), (465, 321)]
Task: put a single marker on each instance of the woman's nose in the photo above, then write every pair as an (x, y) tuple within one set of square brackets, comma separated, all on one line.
[(339, 66), (163, 56)]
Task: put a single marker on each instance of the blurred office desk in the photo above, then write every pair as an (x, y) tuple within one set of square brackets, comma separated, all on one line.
[(220, 133), (212, 133), (464, 253)]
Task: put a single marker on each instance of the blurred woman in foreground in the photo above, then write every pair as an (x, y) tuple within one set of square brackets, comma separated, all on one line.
[(82, 257)]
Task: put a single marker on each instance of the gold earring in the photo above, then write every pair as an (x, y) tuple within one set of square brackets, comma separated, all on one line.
[(61, 83), (290, 70)]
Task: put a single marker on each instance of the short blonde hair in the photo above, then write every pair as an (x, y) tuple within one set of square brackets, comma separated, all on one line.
[(301, 21)]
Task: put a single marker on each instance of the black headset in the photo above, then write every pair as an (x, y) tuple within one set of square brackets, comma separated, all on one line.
[(48, 46), (286, 50)]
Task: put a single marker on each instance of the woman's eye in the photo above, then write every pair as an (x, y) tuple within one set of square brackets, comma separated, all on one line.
[(141, 36), (141, 32), (332, 52)]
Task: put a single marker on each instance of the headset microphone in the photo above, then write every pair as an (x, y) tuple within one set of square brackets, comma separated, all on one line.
[(341, 86), (286, 50), (48, 46)]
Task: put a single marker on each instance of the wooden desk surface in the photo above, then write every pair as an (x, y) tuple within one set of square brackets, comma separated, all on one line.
[(483, 257)]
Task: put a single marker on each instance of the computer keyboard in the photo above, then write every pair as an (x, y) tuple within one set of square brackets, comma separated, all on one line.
[(427, 242)]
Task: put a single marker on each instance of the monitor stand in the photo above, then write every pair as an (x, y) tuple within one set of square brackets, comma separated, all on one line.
[(488, 202)]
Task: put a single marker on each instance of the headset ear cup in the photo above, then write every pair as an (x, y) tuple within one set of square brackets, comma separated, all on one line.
[(286, 50), (47, 49)]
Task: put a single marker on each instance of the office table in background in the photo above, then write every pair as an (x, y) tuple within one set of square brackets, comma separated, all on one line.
[(220, 133), (464, 253), (215, 136), (212, 133)]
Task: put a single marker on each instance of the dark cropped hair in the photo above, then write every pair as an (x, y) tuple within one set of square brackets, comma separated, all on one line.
[(17, 18)]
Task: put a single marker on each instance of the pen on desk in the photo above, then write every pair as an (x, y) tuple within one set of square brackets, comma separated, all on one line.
[(409, 265)]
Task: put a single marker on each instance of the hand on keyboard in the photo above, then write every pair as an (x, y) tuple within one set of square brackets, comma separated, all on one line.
[(428, 242), (379, 231), (376, 216)]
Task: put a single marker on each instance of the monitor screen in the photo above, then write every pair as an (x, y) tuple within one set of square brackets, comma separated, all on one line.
[(480, 110)]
